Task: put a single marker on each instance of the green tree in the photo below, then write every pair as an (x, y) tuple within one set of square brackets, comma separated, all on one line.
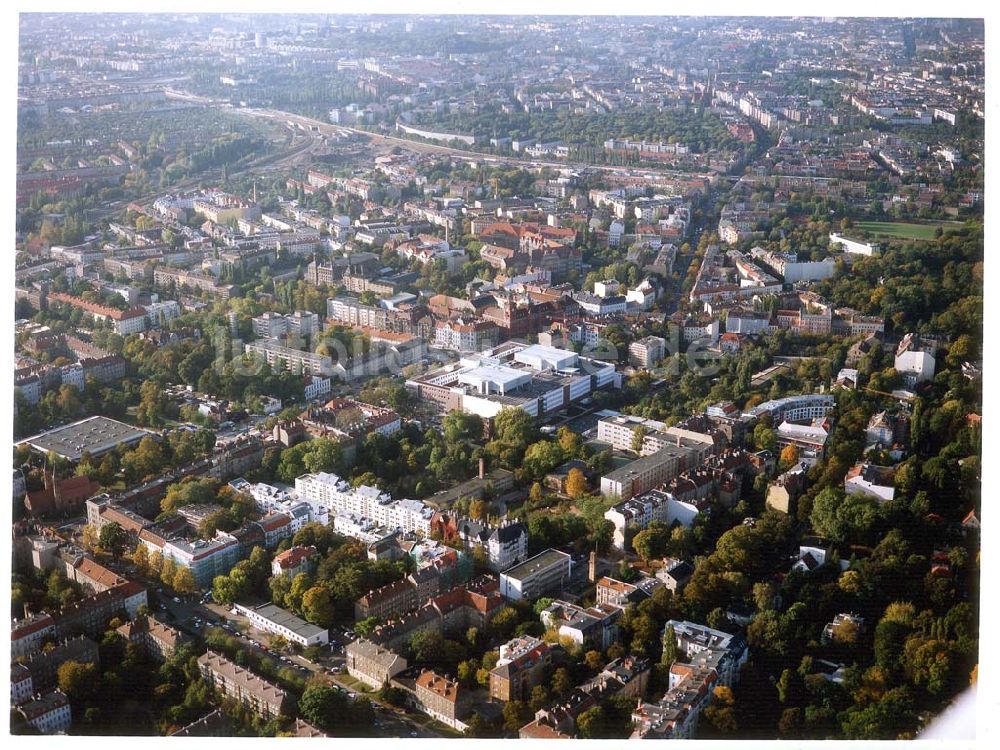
[(592, 724), (317, 606), (140, 558), (113, 538), (323, 706), (79, 681), (515, 715), (184, 582), (576, 483), (168, 571), (562, 683), (638, 438), (671, 650)]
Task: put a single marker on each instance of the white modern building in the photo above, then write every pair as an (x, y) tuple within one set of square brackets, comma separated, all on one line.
[(638, 512), (316, 387), (364, 503), (853, 246), (547, 572), (536, 378), (794, 408), (915, 367), (278, 356), (272, 619)]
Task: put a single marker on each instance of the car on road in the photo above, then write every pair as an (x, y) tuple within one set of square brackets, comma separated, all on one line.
[(413, 734), (177, 600)]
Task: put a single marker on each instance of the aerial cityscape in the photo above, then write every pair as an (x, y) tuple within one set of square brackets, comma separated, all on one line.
[(453, 376)]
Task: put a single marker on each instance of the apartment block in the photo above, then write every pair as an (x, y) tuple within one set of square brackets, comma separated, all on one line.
[(648, 472), (254, 692), (371, 663), (523, 663)]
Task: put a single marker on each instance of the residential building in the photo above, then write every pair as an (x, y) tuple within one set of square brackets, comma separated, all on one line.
[(278, 356), (369, 503), (276, 526), (595, 627), (794, 408), (783, 493), (648, 472), (442, 699), (887, 430), (638, 512), (675, 574), (628, 675), (621, 594), (49, 713), (372, 664), (844, 627), (204, 558), (870, 481), (90, 616), (915, 367), (270, 325), (507, 545), (254, 692), (28, 635), (619, 429), (854, 246), (293, 561), (810, 440), (157, 639), (558, 720), (44, 665), (389, 601), (458, 335), (316, 387), (124, 322), (725, 652), (21, 685), (712, 658), (522, 664), (646, 352)]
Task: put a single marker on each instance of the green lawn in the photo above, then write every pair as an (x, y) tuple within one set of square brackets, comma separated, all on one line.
[(903, 230)]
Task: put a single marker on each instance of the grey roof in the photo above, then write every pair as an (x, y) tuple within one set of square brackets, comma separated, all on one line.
[(96, 435), (539, 562), (286, 619)]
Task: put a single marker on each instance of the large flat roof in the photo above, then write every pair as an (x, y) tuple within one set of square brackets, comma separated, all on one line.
[(633, 468), (539, 562), (96, 435), (284, 618)]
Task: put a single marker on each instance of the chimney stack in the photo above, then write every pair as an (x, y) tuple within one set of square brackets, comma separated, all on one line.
[(592, 570), (482, 468)]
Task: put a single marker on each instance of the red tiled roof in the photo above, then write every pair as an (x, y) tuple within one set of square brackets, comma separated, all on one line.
[(25, 629), (97, 309), (293, 557)]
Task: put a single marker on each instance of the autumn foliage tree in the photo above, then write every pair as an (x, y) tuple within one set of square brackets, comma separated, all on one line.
[(576, 483)]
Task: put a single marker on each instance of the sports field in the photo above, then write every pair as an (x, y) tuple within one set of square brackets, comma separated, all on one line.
[(904, 231)]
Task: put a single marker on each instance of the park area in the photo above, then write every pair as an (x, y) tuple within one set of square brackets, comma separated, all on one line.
[(903, 230)]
